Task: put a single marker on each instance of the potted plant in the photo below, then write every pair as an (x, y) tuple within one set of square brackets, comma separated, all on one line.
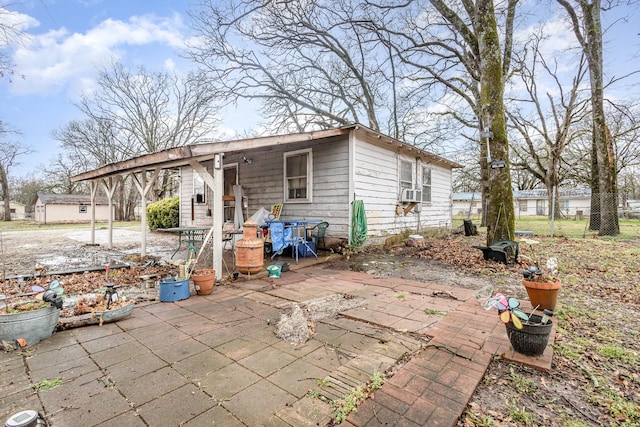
[(542, 286), (203, 280), (32, 320), (528, 333)]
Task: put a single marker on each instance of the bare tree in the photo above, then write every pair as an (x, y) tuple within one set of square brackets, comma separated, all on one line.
[(9, 33), (545, 123), (134, 113), (144, 112), (587, 27), (9, 153), (59, 172), (314, 64), (91, 143), (25, 189), (464, 57), (624, 125)]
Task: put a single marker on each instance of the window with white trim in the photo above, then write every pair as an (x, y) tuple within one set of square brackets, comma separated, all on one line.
[(426, 184), (297, 175), (82, 209), (406, 175)]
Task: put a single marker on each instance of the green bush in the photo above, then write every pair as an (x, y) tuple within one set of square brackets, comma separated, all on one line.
[(164, 213)]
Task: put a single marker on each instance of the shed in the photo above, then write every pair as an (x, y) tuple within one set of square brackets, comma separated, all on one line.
[(68, 208), (314, 175), (17, 210)]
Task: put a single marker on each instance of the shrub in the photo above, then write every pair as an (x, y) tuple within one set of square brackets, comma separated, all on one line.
[(164, 213)]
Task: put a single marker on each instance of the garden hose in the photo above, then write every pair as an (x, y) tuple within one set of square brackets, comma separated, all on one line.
[(358, 224)]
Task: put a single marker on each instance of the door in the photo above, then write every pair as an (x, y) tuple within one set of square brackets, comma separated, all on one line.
[(230, 179)]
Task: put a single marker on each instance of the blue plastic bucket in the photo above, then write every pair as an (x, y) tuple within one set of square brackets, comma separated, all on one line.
[(174, 290)]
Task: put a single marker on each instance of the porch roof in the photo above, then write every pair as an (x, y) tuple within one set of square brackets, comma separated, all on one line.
[(182, 156)]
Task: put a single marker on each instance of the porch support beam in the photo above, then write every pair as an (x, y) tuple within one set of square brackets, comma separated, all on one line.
[(110, 184), (94, 190), (215, 183), (143, 187)]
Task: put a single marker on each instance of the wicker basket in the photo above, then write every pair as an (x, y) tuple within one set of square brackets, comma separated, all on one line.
[(532, 339)]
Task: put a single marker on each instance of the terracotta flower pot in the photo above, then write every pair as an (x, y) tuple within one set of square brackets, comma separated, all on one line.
[(542, 295), (203, 281)]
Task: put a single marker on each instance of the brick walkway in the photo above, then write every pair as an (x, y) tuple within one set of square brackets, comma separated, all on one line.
[(216, 359)]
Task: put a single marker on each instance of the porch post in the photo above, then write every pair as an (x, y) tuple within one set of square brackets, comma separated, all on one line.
[(143, 188), (216, 184), (110, 188), (94, 190)]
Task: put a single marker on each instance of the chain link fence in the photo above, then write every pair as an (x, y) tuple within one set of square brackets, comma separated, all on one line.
[(575, 217)]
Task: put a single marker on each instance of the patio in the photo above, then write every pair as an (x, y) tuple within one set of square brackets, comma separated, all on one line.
[(216, 359)]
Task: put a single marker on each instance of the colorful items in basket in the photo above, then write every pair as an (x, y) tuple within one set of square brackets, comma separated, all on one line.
[(508, 309)]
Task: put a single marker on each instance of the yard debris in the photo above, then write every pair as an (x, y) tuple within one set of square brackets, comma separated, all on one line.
[(444, 294), (297, 325)]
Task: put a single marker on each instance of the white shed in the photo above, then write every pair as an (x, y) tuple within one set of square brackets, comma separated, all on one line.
[(68, 208), (17, 210)]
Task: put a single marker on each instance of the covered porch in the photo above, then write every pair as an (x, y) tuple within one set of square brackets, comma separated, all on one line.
[(207, 161)]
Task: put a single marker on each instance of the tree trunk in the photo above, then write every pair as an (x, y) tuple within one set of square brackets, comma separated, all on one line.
[(589, 34), (500, 215), (594, 216), (6, 195)]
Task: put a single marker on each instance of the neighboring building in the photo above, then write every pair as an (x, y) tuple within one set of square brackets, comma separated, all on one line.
[(467, 204), (68, 208), (17, 210), (572, 202)]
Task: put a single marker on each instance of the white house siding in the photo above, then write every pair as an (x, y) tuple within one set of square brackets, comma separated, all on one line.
[(262, 182), (17, 210), (376, 182)]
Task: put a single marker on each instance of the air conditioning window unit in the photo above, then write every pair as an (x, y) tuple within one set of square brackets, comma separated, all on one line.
[(411, 196)]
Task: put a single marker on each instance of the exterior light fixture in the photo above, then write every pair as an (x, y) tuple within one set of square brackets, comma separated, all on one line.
[(498, 164)]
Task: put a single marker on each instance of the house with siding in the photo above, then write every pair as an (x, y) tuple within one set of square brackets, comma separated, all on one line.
[(312, 175), (16, 209), (318, 177), (573, 202), (68, 208)]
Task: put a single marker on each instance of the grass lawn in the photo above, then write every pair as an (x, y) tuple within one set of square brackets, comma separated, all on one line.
[(541, 226)]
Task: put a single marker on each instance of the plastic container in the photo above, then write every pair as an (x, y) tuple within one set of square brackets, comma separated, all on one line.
[(173, 290), (306, 250), (274, 270)]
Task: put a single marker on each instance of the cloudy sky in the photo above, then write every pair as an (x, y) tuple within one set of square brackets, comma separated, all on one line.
[(69, 40)]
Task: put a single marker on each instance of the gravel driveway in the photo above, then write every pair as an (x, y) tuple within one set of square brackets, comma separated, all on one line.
[(64, 249)]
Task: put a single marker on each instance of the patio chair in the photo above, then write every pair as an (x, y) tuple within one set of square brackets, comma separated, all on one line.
[(317, 234)]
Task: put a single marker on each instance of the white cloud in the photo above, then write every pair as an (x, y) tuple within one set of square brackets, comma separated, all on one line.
[(16, 20), (58, 61)]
